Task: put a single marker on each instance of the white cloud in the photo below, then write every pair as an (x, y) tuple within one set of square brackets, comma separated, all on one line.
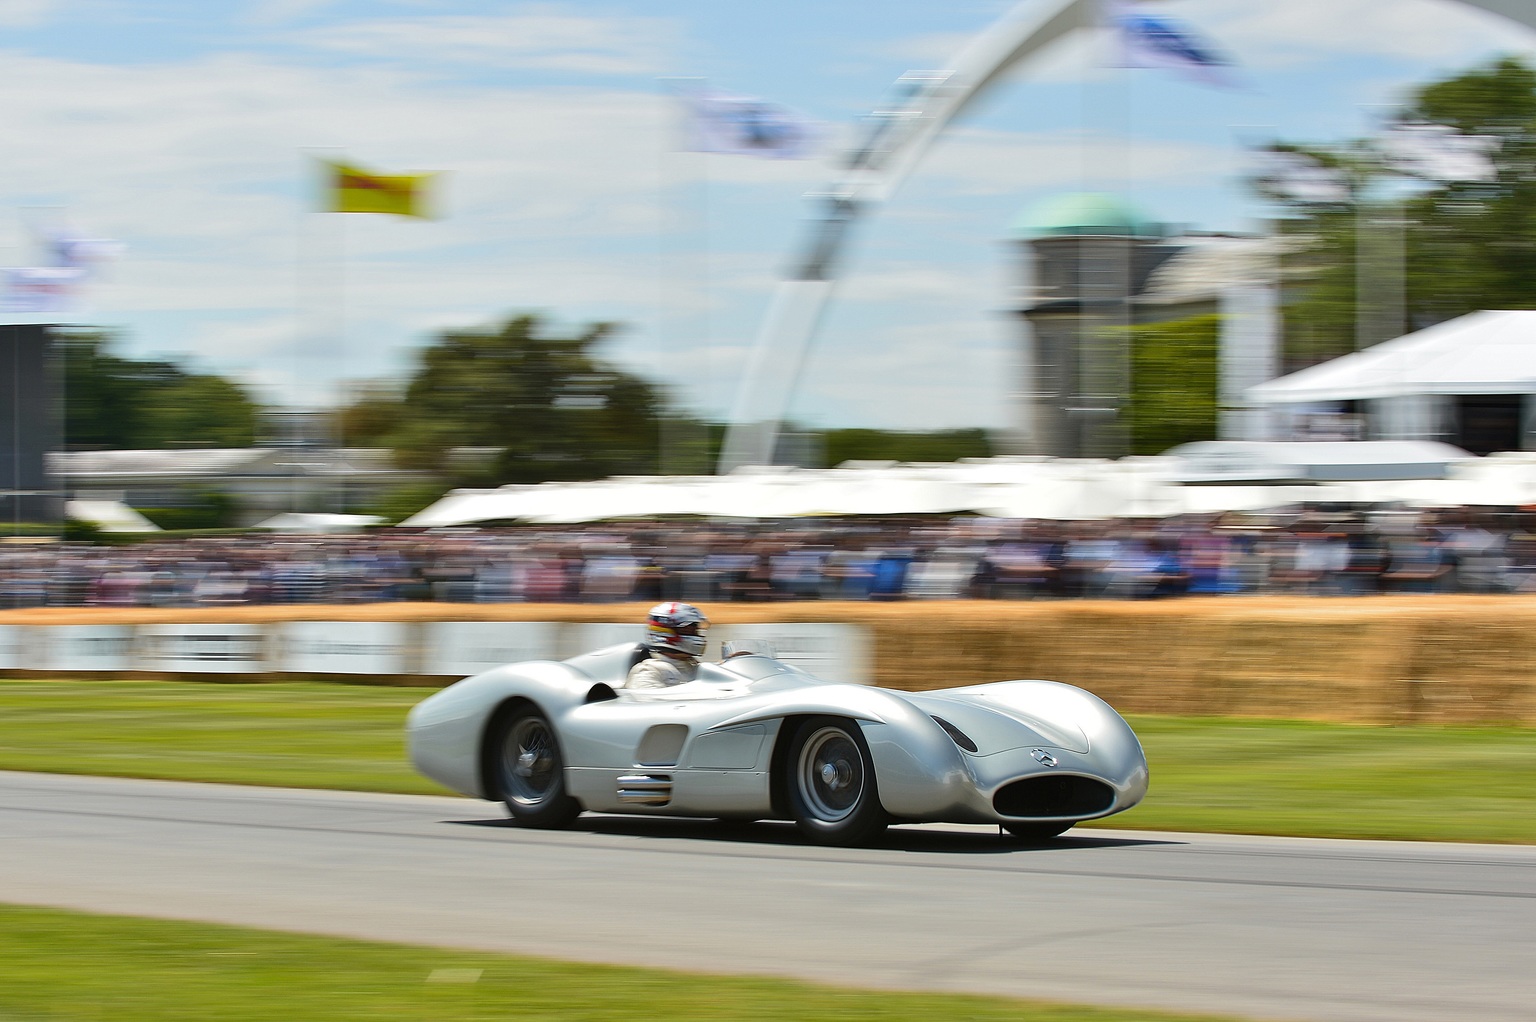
[(1302, 31), (929, 374), (989, 162), (542, 38), (1272, 36), (926, 51), (26, 13), (552, 199), (568, 200), (274, 12)]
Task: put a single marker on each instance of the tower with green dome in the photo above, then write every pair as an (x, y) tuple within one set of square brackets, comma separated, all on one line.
[(1088, 255)]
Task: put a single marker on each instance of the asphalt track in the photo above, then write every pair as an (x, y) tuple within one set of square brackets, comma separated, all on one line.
[(1268, 928)]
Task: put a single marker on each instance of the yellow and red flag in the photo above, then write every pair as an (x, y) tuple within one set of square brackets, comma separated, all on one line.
[(353, 190)]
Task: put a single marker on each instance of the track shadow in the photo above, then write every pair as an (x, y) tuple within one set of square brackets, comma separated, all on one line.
[(904, 838)]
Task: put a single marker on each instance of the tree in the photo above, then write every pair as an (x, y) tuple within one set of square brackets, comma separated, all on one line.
[(195, 408), (1174, 383), (116, 403), (1473, 244), (1470, 245), (884, 445), (549, 404)]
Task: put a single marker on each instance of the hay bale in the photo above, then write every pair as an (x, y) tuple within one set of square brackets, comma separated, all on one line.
[(1372, 659)]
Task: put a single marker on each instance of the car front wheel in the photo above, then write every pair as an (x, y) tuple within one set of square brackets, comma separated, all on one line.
[(832, 793), (530, 773)]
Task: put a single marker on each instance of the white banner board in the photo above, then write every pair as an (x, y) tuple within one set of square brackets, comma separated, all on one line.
[(835, 652), (74, 649), (22, 648), (831, 651), (342, 647), (459, 649), (446, 649), (584, 638), (202, 648)]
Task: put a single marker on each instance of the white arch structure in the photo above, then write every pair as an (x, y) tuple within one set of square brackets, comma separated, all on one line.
[(897, 136)]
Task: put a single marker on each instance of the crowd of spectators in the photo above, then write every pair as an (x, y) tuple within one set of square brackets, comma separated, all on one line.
[(1318, 553)]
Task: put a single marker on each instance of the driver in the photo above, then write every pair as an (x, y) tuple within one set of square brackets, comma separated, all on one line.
[(674, 641)]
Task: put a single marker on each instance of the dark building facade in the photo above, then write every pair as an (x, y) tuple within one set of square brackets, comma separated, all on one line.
[(31, 425)]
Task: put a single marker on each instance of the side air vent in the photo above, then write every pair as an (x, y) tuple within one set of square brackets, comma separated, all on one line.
[(961, 738), (1054, 795), (645, 789)]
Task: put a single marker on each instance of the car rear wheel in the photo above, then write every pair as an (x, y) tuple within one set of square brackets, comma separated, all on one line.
[(832, 793), (1038, 831), (530, 772)]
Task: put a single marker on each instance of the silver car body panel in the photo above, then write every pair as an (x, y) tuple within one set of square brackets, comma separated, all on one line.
[(707, 748)]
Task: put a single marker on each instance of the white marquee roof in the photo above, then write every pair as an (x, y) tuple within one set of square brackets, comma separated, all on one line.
[(1480, 353), (1034, 488)]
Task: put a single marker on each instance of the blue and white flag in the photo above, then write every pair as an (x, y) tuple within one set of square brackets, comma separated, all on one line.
[(55, 288), (718, 123), (40, 289), (1151, 40)]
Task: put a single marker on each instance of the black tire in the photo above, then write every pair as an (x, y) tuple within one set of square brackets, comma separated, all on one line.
[(529, 772), (1043, 831), (831, 783)]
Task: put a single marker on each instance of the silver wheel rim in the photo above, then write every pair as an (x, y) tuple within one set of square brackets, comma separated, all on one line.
[(831, 774), (530, 765)]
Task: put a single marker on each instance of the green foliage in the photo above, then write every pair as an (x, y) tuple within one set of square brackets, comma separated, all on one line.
[(843, 445), (554, 409), (207, 410), (77, 531), (115, 403), (207, 509), (1473, 244), (29, 530), (1174, 383), (1469, 245)]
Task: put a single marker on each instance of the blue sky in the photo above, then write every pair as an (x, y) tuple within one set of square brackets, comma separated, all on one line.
[(189, 132)]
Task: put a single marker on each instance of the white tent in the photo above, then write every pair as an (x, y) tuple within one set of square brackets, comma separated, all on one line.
[(317, 522), (1242, 477), (1250, 462), (1480, 353), (109, 516)]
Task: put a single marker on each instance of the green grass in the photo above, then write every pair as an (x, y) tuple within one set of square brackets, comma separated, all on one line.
[(291, 735), (1337, 780), (1208, 774), (67, 965)]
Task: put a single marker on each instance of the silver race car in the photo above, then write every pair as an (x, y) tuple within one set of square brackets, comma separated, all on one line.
[(756, 738)]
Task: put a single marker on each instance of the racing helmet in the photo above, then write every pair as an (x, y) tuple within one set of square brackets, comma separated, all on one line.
[(676, 629)]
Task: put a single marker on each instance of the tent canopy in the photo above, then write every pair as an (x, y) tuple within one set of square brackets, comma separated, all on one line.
[(316, 522), (1233, 477), (1313, 461), (109, 516), (1480, 353)]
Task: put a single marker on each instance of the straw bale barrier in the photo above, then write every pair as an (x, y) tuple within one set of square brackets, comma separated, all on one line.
[(1378, 659)]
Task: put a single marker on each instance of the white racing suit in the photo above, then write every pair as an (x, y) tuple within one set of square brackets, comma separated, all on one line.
[(661, 671)]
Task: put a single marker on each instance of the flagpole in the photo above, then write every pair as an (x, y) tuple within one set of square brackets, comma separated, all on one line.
[(322, 289), (689, 216), (1119, 442)]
